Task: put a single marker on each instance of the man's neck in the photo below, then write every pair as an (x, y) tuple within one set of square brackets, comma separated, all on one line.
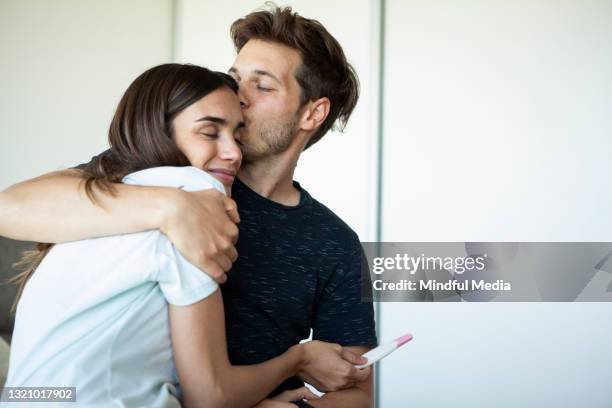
[(272, 177)]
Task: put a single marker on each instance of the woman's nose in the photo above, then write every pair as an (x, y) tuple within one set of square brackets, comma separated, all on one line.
[(229, 150)]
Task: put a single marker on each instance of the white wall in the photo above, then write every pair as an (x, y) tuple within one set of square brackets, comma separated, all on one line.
[(498, 120), (497, 127), (65, 64)]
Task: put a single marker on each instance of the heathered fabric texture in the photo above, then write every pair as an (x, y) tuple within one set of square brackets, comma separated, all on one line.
[(298, 268)]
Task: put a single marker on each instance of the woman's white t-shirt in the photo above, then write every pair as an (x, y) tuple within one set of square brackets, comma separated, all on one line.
[(94, 315)]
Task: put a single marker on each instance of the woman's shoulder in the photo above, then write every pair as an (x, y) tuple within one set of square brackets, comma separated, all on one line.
[(186, 177)]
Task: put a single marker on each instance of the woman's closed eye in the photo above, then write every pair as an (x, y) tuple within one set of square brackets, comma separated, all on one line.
[(263, 88), (209, 131)]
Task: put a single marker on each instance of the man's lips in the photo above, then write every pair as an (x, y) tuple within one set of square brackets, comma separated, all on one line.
[(225, 175)]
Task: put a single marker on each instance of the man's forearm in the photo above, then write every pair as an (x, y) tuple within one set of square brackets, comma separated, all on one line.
[(361, 395), (55, 208), (350, 398)]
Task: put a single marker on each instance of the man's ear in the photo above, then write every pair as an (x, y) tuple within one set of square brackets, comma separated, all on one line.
[(315, 113)]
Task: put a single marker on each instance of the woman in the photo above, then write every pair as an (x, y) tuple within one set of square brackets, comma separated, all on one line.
[(112, 316)]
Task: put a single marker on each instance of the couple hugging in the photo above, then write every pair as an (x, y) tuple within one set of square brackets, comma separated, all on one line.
[(151, 287)]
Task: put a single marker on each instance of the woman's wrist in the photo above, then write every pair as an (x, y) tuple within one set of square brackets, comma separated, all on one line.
[(167, 207)]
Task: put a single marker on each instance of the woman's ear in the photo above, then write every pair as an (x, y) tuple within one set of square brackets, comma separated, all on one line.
[(315, 113)]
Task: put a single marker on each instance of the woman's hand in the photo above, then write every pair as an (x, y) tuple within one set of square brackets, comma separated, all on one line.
[(202, 226), (284, 399)]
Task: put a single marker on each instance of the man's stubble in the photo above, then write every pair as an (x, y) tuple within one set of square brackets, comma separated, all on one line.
[(269, 138)]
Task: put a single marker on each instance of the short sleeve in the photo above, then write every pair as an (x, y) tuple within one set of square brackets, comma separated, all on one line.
[(180, 281), (340, 315)]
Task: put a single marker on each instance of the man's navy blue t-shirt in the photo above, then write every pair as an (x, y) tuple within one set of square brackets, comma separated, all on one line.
[(298, 268)]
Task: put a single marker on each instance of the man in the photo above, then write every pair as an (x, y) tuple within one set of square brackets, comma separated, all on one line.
[(299, 264)]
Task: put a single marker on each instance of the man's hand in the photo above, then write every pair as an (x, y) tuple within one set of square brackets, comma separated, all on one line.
[(202, 226), (284, 399), (330, 367)]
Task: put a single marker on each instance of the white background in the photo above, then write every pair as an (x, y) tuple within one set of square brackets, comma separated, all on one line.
[(496, 127)]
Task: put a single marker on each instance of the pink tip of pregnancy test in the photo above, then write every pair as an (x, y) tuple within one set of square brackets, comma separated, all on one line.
[(403, 340)]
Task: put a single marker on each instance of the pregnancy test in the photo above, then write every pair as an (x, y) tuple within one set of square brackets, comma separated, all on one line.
[(380, 352)]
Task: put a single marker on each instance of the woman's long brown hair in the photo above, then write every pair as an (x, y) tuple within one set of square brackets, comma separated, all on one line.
[(140, 137)]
